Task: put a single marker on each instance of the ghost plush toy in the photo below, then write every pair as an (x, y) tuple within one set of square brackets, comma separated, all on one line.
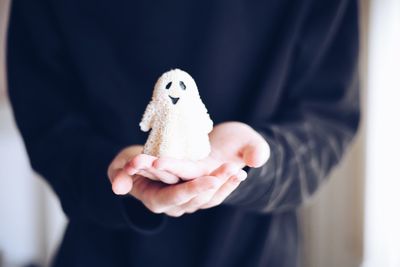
[(178, 119)]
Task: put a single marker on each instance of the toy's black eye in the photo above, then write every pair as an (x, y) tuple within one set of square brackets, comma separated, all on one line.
[(168, 85), (182, 85)]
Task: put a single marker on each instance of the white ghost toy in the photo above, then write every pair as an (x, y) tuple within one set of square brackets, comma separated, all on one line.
[(178, 119)]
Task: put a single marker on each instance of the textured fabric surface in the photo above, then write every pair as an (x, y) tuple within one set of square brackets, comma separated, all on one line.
[(81, 74)]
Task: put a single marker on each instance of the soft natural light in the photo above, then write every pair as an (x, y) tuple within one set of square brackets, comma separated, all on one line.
[(383, 135)]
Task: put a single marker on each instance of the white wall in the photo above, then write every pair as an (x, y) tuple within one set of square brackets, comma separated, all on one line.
[(382, 230), (31, 221)]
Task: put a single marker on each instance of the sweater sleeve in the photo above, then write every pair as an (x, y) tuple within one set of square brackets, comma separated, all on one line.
[(318, 117), (63, 144)]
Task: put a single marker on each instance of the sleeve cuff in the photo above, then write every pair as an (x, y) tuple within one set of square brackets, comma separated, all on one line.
[(139, 218)]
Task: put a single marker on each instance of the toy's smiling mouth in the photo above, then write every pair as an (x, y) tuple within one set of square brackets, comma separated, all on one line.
[(174, 99)]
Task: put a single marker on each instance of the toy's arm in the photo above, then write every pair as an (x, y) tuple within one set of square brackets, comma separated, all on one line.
[(208, 123), (147, 119), (206, 120)]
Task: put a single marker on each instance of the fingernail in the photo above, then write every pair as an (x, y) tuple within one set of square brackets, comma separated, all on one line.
[(120, 188), (242, 175)]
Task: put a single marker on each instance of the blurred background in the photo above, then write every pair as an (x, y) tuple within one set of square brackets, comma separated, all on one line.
[(354, 220)]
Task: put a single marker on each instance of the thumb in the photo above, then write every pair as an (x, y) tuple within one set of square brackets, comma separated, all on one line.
[(122, 183), (256, 154)]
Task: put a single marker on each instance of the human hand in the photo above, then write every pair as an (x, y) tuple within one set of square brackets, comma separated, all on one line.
[(140, 174), (122, 181), (231, 142), (177, 199), (186, 197)]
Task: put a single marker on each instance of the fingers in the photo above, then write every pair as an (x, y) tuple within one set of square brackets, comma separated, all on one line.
[(225, 190), (122, 157), (199, 200), (143, 164), (226, 170), (256, 154), (161, 198), (147, 174), (144, 189), (179, 194), (218, 196), (192, 205), (121, 182), (158, 175), (139, 162), (185, 169)]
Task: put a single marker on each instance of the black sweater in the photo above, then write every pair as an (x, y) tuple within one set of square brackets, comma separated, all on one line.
[(81, 73)]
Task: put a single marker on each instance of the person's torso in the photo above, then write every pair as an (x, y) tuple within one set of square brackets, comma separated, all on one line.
[(239, 54)]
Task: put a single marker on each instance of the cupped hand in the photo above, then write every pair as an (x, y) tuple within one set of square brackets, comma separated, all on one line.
[(122, 180), (174, 199), (231, 142), (207, 182), (189, 196)]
